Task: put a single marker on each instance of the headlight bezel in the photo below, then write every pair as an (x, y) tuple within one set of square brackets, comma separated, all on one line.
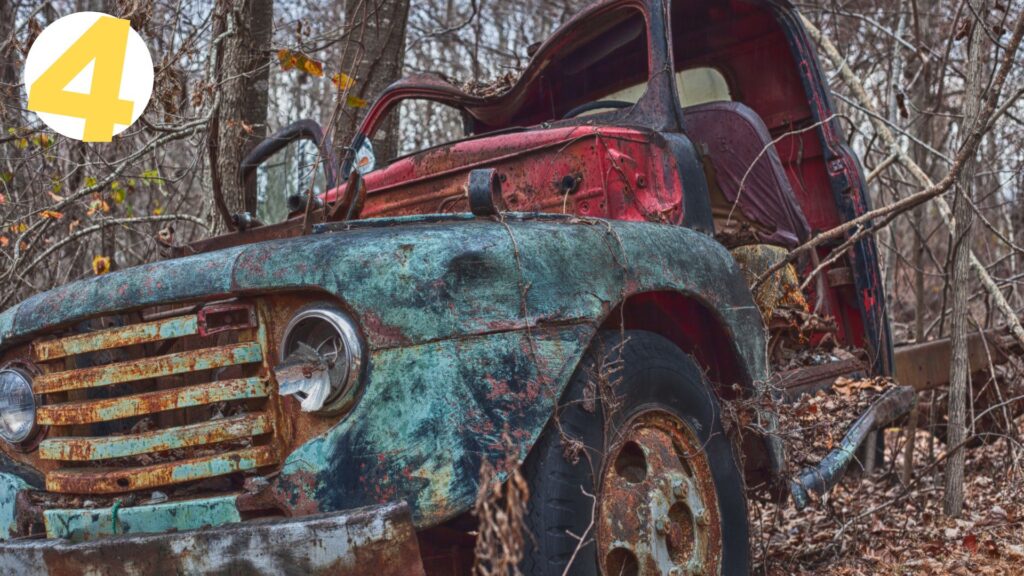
[(346, 382), (26, 441)]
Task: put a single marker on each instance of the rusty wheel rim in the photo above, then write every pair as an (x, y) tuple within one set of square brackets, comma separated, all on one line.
[(658, 509)]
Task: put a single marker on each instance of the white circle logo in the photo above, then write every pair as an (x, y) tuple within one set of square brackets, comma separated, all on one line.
[(89, 76)]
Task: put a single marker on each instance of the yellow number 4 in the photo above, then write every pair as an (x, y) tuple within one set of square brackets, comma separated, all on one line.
[(104, 43)]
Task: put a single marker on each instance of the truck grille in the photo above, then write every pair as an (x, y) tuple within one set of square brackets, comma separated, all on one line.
[(162, 400)]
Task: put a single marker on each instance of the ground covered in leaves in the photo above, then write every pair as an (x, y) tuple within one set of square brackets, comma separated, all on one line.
[(814, 424), (874, 524)]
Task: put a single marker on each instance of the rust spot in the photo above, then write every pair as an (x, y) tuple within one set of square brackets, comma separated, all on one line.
[(658, 509), (201, 433), (180, 363), (110, 481), (150, 402), (383, 335)]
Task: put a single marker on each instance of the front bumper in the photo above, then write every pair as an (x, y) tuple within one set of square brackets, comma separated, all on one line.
[(377, 540)]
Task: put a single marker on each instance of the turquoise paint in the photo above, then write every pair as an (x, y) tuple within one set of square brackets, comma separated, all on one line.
[(10, 485), (448, 307), (173, 328), (178, 363), (179, 327), (168, 439), (166, 281), (88, 524), (428, 416), (426, 281), (254, 388), (217, 466)]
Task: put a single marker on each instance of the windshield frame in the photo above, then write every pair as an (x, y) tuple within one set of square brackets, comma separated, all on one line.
[(655, 110)]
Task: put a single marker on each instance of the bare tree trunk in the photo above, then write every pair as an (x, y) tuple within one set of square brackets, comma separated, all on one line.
[(379, 27), (959, 377), (243, 74), (10, 65)]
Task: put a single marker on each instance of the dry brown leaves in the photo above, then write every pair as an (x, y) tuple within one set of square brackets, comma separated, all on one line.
[(792, 333), (493, 88), (875, 525), (812, 426), (500, 510)]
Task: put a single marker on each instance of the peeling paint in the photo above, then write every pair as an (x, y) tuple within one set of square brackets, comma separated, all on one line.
[(10, 486), (473, 327), (82, 525)]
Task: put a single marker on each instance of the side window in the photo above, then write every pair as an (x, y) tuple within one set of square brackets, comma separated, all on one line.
[(701, 85)]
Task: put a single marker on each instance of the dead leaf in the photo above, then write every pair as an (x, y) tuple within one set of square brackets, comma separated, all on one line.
[(98, 205), (343, 81), (971, 543), (101, 265), (291, 60)]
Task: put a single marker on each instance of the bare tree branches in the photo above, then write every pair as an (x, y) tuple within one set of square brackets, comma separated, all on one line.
[(864, 225)]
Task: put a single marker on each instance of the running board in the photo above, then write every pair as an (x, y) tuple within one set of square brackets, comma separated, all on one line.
[(821, 478)]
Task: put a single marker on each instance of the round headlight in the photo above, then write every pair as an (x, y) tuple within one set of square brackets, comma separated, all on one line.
[(17, 406), (321, 359)]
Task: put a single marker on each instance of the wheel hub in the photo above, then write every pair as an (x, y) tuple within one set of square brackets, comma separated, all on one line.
[(658, 510)]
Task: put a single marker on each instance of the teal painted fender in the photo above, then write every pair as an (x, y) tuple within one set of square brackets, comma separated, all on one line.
[(10, 486), (473, 328)]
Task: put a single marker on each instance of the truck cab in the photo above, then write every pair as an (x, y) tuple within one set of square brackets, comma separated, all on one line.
[(562, 293)]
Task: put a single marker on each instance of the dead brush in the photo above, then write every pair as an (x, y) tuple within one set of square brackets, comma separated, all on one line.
[(500, 510)]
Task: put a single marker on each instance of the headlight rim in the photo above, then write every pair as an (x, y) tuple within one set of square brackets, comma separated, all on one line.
[(36, 432), (355, 351)]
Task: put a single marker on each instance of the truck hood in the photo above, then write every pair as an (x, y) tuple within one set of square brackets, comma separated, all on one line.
[(289, 263), (400, 275), (184, 279)]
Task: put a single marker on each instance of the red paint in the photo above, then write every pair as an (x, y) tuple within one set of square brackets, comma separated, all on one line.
[(758, 48)]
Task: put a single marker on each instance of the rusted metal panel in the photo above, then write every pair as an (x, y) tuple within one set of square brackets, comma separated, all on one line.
[(217, 318), (379, 541), (450, 325), (104, 447), (116, 480), (141, 369), (45, 350), (810, 379), (925, 366), (91, 411)]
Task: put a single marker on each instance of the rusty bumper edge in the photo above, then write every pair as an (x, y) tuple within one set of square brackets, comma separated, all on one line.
[(821, 478), (378, 540)]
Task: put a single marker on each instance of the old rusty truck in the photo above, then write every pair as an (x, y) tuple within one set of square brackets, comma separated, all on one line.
[(566, 283)]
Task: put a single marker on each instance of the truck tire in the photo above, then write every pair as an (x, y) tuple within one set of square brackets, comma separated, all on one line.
[(667, 499)]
